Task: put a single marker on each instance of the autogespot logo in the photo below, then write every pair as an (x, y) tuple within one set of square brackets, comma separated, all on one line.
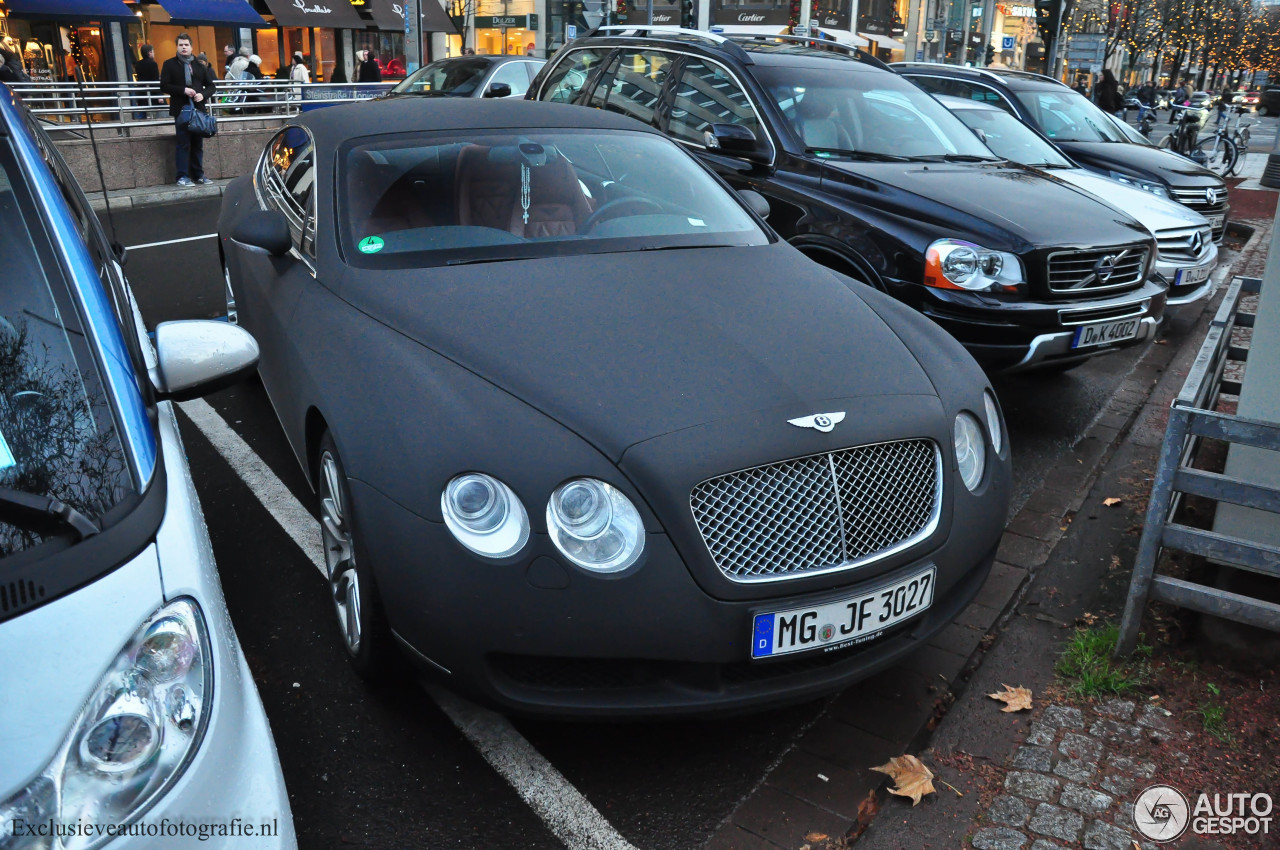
[(1161, 813)]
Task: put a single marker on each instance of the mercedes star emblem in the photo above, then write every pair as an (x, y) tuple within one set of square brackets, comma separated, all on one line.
[(823, 422), (1197, 243)]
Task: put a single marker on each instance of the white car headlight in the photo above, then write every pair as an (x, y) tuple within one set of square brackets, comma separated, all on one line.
[(993, 420), (1151, 186), (595, 526), (971, 450), (484, 515), (133, 738), (956, 264)]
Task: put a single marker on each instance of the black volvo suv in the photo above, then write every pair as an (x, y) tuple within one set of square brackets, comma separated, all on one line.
[(1084, 131), (869, 175)]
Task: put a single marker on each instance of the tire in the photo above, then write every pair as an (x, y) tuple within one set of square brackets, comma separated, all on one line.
[(1263, 111), (362, 621), (1166, 142), (1219, 154)]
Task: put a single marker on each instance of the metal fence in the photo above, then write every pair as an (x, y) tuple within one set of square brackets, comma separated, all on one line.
[(133, 106), (1191, 419)]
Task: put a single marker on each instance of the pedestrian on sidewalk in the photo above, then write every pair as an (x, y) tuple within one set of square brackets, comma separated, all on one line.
[(229, 56), (299, 73), (1107, 93), (186, 81), (145, 70)]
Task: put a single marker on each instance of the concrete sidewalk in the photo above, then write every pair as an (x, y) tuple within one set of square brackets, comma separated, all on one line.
[(126, 199)]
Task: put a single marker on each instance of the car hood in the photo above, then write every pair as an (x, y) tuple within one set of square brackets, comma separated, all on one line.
[(1154, 213), (1169, 167), (54, 657), (625, 347), (991, 200)]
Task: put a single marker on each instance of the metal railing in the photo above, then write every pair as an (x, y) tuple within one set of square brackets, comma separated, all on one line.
[(125, 107), (1191, 419)]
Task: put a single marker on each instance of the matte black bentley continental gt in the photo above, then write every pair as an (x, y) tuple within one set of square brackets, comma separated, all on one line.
[(587, 436)]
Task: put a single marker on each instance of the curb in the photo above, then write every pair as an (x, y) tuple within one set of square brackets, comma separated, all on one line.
[(155, 196), (788, 804)]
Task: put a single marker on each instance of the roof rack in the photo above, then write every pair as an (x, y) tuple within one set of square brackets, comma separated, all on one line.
[(648, 31), (818, 43), (982, 72)]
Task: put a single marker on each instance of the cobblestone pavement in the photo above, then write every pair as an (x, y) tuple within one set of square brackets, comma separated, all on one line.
[(1072, 780)]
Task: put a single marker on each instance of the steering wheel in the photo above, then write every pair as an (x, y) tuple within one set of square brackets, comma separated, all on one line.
[(612, 209)]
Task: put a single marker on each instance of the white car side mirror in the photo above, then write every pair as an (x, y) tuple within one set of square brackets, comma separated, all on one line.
[(194, 358)]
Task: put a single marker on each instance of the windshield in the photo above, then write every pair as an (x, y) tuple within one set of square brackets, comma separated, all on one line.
[(1066, 116), (481, 196), (458, 77), (837, 113), (58, 436), (1012, 139)]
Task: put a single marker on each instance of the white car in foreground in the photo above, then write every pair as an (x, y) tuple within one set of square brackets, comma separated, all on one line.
[(1187, 255), (128, 716)]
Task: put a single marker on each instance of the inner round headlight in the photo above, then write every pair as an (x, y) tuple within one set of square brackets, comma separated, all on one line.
[(971, 450), (993, 421), (960, 264), (594, 525), (484, 515)]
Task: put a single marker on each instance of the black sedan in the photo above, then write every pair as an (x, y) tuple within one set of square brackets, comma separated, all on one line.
[(588, 438)]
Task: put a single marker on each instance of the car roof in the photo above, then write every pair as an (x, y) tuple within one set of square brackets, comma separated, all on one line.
[(1009, 76), (333, 125), (747, 48)]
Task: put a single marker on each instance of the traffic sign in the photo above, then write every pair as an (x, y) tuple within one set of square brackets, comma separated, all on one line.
[(570, 32), (799, 30), (1007, 42)]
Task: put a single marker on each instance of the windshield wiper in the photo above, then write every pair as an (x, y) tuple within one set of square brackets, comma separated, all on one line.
[(866, 156), (692, 247), (955, 157), (41, 513)]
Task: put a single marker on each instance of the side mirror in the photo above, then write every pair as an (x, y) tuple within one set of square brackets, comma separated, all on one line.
[(981, 134), (735, 140), (759, 205), (498, 90), (195, 358), (263, 232), (121, 252)]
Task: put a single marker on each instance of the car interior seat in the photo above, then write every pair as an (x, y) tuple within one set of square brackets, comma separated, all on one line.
[(816, 125), (489, 193)]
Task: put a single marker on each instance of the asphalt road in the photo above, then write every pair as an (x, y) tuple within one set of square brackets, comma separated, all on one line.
[(389, 768)]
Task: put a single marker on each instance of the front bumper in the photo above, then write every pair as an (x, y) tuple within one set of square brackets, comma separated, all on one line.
[(1015, 335), (1179, 293)]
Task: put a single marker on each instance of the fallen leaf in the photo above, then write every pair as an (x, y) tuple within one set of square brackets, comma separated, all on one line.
[(816, 836), (1014, 699), (1111, 503), (867, 811), (911, 778)]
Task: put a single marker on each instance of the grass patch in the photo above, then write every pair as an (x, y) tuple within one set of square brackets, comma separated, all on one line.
[(1087, 662), (1213, 715)]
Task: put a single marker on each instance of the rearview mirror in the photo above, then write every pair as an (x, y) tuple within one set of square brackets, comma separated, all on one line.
[(981, 134), (263, 232), (759, 205), (498, 90), (195, 358), (735, 140)]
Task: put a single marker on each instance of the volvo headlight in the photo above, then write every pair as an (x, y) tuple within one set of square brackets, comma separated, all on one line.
[(993, 420), (956, 264), (132, 740), (485, 515), (594, 525), (971, 450), (1151, 186)]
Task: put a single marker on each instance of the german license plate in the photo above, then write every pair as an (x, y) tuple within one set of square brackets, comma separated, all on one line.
[(1105, 333), (1215, 221), (835, 625), (1189, 277)]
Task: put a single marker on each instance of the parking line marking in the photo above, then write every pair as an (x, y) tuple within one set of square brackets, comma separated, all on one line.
[(568, 814), (279, 501), (543, 788), (172, 241)]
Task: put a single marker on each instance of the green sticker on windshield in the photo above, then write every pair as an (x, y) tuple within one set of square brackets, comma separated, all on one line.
[(371, 244)]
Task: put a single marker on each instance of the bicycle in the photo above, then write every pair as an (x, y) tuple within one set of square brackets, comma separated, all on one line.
[(1240, 133), (1216, 152)]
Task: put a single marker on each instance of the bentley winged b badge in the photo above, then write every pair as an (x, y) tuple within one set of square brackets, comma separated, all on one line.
[(824, 422)]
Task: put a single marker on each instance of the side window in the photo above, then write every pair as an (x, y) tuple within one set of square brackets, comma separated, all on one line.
[(566, 81), (707, 95), (287, 182), (637, 84), (514, 75)]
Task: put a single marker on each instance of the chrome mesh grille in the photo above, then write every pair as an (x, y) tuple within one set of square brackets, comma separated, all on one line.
[(820, 513), (1198, 199), (1076, 272)]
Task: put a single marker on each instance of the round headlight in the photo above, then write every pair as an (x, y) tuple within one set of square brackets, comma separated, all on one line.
[(971, 453), (594, 525), (484, 515), (960, 264), (993, 421)]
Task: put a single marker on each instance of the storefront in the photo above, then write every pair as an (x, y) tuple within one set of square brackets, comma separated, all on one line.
[(767, 17), (1014, 28), (58, 35), (587, 15), (386, 43), (880, 22), (211, 24), (507, 35), (309, 27)]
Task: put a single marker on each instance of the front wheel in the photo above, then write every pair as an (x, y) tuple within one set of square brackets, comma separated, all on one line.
[(361, 619), (1219, 154)]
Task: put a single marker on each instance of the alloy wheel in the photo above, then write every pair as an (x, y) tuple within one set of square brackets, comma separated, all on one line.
[(232, 316), (339, 552)]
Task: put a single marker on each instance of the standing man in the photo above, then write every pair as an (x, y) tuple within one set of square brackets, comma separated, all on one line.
[(229, 56), (369, 71), (145, 70), (187, 81)]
